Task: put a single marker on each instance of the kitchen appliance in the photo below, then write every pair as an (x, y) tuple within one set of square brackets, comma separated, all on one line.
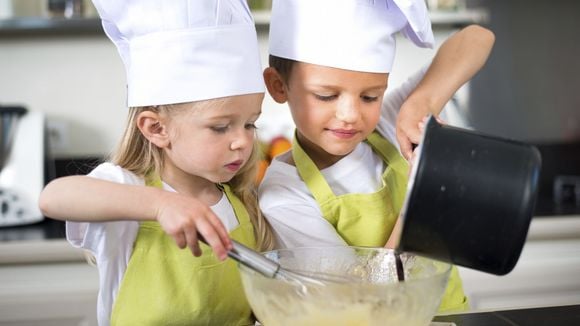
[(470, 198), (66, 8), (528, 89), (22, 165)]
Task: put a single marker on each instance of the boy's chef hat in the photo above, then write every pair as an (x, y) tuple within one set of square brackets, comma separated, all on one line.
[(347, 34), (178, 51)]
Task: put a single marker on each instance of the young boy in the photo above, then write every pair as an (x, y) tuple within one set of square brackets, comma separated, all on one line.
[(344, 181)]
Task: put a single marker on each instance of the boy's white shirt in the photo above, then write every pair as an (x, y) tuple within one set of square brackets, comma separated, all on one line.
[(112, 242), (287, 203)]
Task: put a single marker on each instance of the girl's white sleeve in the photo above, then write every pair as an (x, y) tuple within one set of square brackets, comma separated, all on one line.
[(101, 236), (111, 243)]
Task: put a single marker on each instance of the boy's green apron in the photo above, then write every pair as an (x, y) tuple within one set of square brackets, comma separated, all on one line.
[(367, 220), (165, 285)]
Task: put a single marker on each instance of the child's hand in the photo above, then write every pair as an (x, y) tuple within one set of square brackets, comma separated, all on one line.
[(415, 152), (395, 236), (410, 127), (409, 132), (187, 219)]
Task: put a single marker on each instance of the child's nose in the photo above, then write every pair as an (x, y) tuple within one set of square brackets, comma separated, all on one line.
[(347, 111), (242, 139)]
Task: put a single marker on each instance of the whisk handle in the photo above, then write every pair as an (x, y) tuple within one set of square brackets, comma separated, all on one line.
[(253, 260)]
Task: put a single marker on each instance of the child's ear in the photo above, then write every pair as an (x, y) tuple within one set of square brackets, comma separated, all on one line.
[(275, 85), (153, 128)]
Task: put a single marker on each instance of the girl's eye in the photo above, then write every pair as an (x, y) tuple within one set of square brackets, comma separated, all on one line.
[(369, 99), (219, 129), (325, 98), (251, 126)]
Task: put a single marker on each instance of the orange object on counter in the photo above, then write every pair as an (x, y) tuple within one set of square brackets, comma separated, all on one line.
[(278, 146), (262, 166)]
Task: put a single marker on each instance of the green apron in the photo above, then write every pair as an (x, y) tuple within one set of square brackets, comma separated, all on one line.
[(165, 285), (367, 220)]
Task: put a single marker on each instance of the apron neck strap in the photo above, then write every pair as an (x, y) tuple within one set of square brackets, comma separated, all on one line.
[(310, 174), (388, 152), (152, 179), (314, 179)]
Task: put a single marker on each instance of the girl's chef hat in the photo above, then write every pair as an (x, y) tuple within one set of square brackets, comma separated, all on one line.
[(347, 34), (184, 50)]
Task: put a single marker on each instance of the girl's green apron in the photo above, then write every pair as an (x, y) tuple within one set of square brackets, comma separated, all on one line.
[(367, 220), (165, 285)]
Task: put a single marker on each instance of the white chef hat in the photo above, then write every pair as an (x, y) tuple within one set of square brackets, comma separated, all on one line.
[(177, 51), (347, 34)]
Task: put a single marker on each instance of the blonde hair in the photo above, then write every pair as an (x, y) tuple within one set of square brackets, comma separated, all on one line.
[(138, 155)]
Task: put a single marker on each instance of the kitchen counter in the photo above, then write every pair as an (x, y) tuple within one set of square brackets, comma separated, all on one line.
[(43, 279), (43, 242), (552, 316), (46, 240), (42, 276), (47, 229)]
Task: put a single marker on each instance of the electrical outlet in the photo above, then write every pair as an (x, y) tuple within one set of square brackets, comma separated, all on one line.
[(58, 135)]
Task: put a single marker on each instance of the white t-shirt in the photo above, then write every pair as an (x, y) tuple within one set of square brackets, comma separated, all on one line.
[(112, 242), (287, 202)]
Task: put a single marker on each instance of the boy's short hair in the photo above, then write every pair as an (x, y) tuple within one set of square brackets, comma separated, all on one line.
[(282, 65)]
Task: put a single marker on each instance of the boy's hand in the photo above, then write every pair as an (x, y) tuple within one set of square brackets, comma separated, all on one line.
[(415, 152), (410, 127), (187, 219), (409, 132), (395, 236)]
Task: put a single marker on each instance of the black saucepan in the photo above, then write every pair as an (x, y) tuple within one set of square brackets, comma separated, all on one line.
[(470, 198)]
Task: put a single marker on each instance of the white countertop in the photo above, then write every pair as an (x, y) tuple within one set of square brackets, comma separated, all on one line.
[(554, 228), (39, 251), (59, 250)]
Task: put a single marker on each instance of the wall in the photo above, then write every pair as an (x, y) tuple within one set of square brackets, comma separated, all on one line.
[(79, 82), (530, 91)]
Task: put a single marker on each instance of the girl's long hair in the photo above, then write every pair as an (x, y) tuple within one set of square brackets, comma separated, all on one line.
[(136, 154)]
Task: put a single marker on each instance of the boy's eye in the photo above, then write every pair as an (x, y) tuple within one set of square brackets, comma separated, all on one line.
[(325, 98), (251, 126), (369, 99), (219, 129)]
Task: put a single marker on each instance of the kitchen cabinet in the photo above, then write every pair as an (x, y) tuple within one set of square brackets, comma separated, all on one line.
[(92, 25), (547, 273), (46, 282)]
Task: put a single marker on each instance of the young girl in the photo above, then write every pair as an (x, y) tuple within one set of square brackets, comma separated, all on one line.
[(184, 169), (344, 181)]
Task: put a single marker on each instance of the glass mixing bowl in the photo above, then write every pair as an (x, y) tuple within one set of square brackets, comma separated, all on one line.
[(369, 292)]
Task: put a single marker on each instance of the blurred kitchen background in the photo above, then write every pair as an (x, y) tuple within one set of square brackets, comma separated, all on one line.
[(56, 61)]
